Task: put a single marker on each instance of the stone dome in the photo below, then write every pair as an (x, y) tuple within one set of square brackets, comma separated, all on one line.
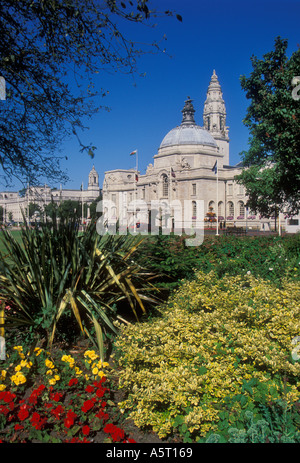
[(188, 133)]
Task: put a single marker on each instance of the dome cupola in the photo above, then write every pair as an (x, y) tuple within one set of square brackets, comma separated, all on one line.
[(188, 133)]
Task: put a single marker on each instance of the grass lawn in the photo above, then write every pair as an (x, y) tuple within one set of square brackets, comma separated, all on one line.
[(15, 233)]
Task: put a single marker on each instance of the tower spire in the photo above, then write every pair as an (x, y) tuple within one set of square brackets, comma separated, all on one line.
[(214, 115)]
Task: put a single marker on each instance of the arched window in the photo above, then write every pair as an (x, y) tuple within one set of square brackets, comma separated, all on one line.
[(220, 209), (194, 210), (165, 186), (230, 209), (211, 206), (241, 206)]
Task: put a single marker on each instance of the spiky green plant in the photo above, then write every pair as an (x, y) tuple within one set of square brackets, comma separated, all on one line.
[(54, 272)]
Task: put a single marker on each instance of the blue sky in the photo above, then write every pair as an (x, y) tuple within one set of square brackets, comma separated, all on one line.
[(213, 35)]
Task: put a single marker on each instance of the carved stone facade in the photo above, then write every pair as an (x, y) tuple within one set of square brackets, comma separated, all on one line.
[(182, 169)]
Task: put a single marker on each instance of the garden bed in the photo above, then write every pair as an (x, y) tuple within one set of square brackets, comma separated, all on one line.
[(214, 356)]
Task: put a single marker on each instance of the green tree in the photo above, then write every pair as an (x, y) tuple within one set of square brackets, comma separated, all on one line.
[(272, 163), (93, 207), (33, 209), (69, 208), (51, 209), (50, 51)]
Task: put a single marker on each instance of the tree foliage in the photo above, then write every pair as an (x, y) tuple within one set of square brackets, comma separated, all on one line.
[(272, 174), (50, 51)]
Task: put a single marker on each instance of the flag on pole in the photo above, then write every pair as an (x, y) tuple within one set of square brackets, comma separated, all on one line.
[(215, 168), (136, 177), (133, 152), (173, 173)]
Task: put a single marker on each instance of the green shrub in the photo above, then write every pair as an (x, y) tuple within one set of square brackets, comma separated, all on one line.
[(56, 280), (219, 347), (269, 257)]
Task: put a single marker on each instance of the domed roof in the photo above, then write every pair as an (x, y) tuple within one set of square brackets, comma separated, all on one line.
[(188, 133)]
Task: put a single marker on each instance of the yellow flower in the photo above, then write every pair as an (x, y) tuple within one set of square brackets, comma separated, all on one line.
[(68, 359), (18, 378), (38, 351), (18, 348), (49, 364), (91, 354), (52, 381), (26, 363), (2, 387)]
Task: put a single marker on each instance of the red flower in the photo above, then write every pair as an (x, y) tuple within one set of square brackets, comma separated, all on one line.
[(18, 427), (23, 412), (7, 396), (99, 383), (4, 410), (100, 392), (35, 394), (73, 381), (56, 396), (48, 405), (89, 388), (35, 420), (11, 405), (102, 415), (76, 440), (88, 404), (69, 420), (116, 433), (85, 430), (57, 411)]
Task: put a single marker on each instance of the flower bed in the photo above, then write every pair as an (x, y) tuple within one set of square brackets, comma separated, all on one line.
[(220, 348), (43, 399)]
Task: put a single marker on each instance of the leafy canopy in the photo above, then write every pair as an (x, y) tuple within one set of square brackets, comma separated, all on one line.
[(50, 51), (272, 176)]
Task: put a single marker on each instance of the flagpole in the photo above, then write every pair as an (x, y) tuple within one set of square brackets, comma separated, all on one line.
[(217, 234), (135, 186), (82, 214)]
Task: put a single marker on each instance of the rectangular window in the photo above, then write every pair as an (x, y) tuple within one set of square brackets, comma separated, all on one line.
[(293, 222), (165, 189), (193, 188)]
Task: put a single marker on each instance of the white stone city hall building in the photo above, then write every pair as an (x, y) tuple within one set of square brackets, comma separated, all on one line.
[(180, 188), (182, 174)]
